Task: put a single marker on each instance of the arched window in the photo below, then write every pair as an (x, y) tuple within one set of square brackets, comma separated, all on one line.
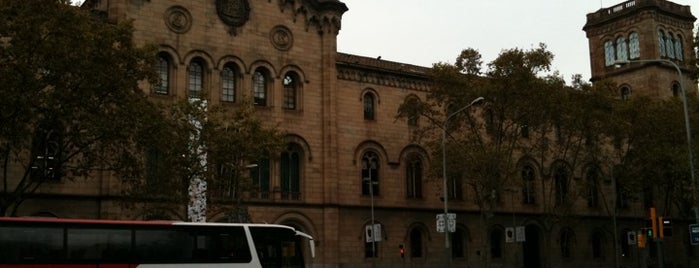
[(624, 242), (416, 243), (196, 78), (290, 172), (566, 242), (259, 87), (528, 192), (458, 243), (678, 48), (413, 173), (597, 242), (290, 91), (676, 90), (621, 49), (592, 184), (560, 177), (413, 114), (228, 76), (370, 174), (260, 179), (369, 106), (496, 241), (661, 43), (634, 46), (164, 66), (609, 54), (670, 45), (371, 245), (625, 93)]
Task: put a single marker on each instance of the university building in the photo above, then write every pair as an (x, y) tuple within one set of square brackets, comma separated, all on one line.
[(353, 162)]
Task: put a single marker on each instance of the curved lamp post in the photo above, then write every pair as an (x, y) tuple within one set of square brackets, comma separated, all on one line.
[(686, 123), (444, 166)]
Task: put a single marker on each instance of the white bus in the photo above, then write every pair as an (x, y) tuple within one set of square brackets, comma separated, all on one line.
[(50, 242)]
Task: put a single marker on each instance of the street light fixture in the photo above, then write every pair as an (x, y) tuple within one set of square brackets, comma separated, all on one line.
[(444, 164), (686, 123)]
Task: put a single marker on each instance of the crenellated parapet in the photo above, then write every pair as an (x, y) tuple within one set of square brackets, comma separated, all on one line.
[(679, 15), (323, 15)]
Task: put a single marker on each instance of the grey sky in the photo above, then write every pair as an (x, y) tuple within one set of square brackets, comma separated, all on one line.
[(423, 32)]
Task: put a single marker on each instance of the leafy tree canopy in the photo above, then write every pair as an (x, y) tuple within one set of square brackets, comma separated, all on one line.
[(71, 96)]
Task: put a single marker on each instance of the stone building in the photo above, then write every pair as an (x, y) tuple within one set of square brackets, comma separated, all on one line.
[(339, 112)]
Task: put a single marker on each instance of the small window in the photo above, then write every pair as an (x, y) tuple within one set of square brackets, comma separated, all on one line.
[(369, 107), (592, 185), (416, 243), (621, 49), (625, 93), (566, 242), (609, 53), (676, 90), (260, 179), (528, 192), (670, 45), (634, 46), (661, 43), (163, 86), (370, 174), (228, 81), (561, 178), (597, 245), (196, 79), (458, 243), (259, 84), (496, 239), (290, 172), (679, 53), (413, 174), (290, 91)]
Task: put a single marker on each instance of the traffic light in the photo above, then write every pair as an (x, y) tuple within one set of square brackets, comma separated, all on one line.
[(664, 227), (648, 229), (641, 239), (402, 250)]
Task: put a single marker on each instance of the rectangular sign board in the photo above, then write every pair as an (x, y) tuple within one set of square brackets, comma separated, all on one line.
[(694, 234)]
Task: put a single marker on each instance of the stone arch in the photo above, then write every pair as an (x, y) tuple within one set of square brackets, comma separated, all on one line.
[(370, 145)]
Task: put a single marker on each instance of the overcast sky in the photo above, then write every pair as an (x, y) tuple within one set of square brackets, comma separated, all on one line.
[(423, 32)]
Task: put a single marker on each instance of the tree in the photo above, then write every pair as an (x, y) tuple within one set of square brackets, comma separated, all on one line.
[(71, 100), (528, 117), (232, 139)]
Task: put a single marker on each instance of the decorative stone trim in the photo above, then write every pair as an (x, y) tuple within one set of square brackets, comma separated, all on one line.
[(178, 19), (281, 37)]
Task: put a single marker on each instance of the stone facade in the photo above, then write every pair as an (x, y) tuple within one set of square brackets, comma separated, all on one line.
[(333, 134)]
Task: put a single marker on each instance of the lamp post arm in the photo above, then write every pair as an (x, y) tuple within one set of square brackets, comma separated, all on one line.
[(444, 163)]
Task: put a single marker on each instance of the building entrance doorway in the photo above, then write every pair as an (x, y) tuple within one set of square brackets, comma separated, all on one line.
[(531, 248)]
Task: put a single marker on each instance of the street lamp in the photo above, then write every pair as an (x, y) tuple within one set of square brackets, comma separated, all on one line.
[(686, 124), (444, 166)]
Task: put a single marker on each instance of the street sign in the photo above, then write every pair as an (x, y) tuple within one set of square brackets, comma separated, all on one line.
[(631, 238), (441, 224), (519, 234), (694, 234), (448, 224), (373, 234), (510, 234)]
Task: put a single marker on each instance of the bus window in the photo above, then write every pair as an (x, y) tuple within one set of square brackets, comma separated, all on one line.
[(277, 247), (163, 246), (99, 244), (227, 245), (31, 245)]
